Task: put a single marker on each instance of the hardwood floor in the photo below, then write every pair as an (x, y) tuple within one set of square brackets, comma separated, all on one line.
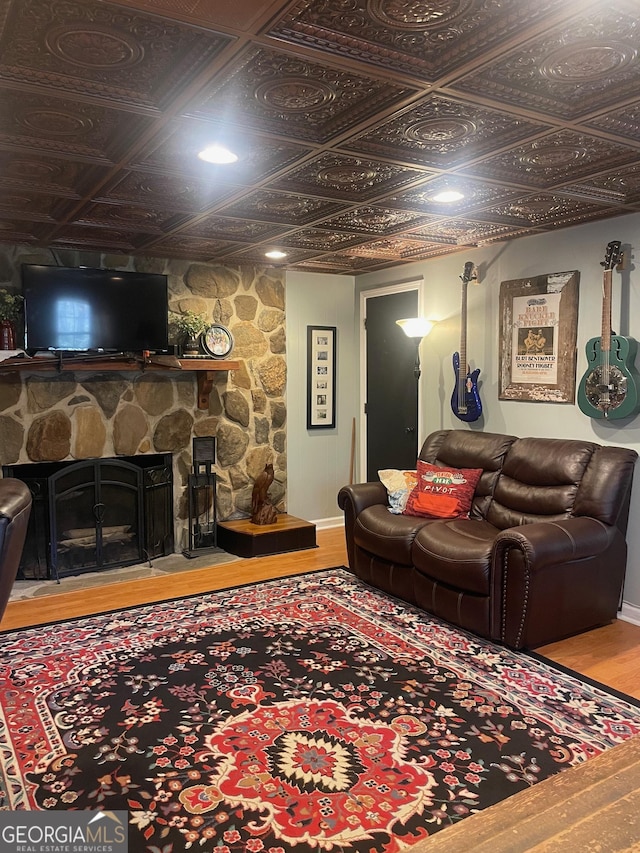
[(610, 655), (592, 807), (331, 552)]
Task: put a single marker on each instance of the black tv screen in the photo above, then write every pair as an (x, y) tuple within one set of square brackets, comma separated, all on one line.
[(77, 309)]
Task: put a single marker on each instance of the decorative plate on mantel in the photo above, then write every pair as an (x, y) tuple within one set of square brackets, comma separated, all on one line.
[(217, 341)]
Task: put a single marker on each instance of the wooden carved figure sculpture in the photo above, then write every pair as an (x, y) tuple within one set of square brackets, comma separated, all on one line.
[(262, 510)]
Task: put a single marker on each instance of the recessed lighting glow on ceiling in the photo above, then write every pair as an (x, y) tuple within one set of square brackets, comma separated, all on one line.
[(217, 154), (275, 255), (447, 196)]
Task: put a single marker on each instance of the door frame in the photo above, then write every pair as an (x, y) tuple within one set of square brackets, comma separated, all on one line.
[(416, 284)]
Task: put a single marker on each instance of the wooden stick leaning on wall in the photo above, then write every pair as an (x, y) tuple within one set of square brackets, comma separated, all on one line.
[(353, 451)]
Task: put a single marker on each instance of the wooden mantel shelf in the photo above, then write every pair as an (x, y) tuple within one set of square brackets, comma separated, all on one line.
[(205, 368)]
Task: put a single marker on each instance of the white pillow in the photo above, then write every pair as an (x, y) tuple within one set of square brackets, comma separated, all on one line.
[(399, 485)]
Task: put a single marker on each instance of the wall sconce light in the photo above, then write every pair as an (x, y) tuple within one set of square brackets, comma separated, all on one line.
[(416, 328)]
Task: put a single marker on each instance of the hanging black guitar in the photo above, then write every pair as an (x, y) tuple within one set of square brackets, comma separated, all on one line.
[(465, 401), (609, 387)]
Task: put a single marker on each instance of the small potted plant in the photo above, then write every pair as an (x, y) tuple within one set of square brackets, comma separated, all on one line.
[(10, 307), (190, 326)]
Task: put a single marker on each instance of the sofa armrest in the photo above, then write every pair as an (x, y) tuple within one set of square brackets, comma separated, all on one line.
[(352, 500), (554, 579), (550, 543), (362, 495)]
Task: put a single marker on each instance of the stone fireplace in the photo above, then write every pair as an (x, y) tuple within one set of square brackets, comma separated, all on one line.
[(71, 416)]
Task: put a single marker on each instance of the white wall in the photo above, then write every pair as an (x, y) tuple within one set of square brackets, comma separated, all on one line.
[(580, 248), (318, 460)]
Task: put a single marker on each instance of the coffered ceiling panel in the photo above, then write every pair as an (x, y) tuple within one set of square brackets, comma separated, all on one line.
[(141, 219), (375, 220), (99, 50), (15, 231), (280, 208), (31, 170), (538, 211), (28, 204), (296, 98), (319, 240), (553, 160), (619, 188), (568, 70), (36, 121), (396, 249), (244, 15), (96, 239), (167, 192), (442, 133), (192, 248), (623, 123), (421, 39), (353, 179), (349, 119), (214, 227), (466, 232)]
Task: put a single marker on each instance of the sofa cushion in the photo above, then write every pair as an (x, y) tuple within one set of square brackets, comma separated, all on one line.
[(456, 552), (469, 449), (539, 481), (388, 536), (602, 491), (442, 492)]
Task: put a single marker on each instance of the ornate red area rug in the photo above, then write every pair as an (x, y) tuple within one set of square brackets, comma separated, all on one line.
[(300, 714)]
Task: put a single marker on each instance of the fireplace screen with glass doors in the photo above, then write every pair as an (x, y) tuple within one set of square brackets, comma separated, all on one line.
[(96, 514)]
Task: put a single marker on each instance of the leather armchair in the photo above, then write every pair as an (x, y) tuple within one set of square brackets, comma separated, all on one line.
[(15, 508)]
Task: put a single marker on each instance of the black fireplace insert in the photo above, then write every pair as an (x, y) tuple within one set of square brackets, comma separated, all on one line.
[(96, 514)]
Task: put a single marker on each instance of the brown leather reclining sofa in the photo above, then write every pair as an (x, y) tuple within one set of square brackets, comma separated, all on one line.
[(541, 556)]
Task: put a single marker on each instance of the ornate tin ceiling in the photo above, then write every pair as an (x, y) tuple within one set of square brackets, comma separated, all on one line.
[(348, 117)]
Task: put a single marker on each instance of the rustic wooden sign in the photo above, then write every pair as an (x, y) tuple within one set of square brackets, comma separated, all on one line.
[(538, 329)]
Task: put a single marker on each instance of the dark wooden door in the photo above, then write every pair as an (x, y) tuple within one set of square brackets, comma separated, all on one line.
[(391, 387)]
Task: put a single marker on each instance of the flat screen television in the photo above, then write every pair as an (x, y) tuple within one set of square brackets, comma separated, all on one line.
[(77, 309)]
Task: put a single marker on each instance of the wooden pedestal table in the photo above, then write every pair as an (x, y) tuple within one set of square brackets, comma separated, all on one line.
[(245, 539)]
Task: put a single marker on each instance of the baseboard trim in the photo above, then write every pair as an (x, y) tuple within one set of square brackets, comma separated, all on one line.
[(629, 613), (326, 523)]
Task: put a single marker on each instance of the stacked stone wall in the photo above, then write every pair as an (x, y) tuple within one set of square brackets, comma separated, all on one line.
[(70, 416)]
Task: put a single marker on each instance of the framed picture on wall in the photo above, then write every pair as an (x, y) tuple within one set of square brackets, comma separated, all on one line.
[(538, 327), (321, 377)]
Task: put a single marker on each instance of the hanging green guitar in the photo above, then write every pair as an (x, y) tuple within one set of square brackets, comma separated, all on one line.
[(609, 387)]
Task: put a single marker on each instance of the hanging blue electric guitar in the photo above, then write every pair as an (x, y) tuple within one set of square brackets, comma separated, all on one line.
[(465, 401), (609, 387)]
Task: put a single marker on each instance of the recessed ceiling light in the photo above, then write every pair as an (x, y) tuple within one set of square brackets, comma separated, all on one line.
[(448, 195), (275, 255), (217, 154)]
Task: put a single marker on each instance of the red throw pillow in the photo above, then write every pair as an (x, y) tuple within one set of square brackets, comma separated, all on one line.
[(443, 492)]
